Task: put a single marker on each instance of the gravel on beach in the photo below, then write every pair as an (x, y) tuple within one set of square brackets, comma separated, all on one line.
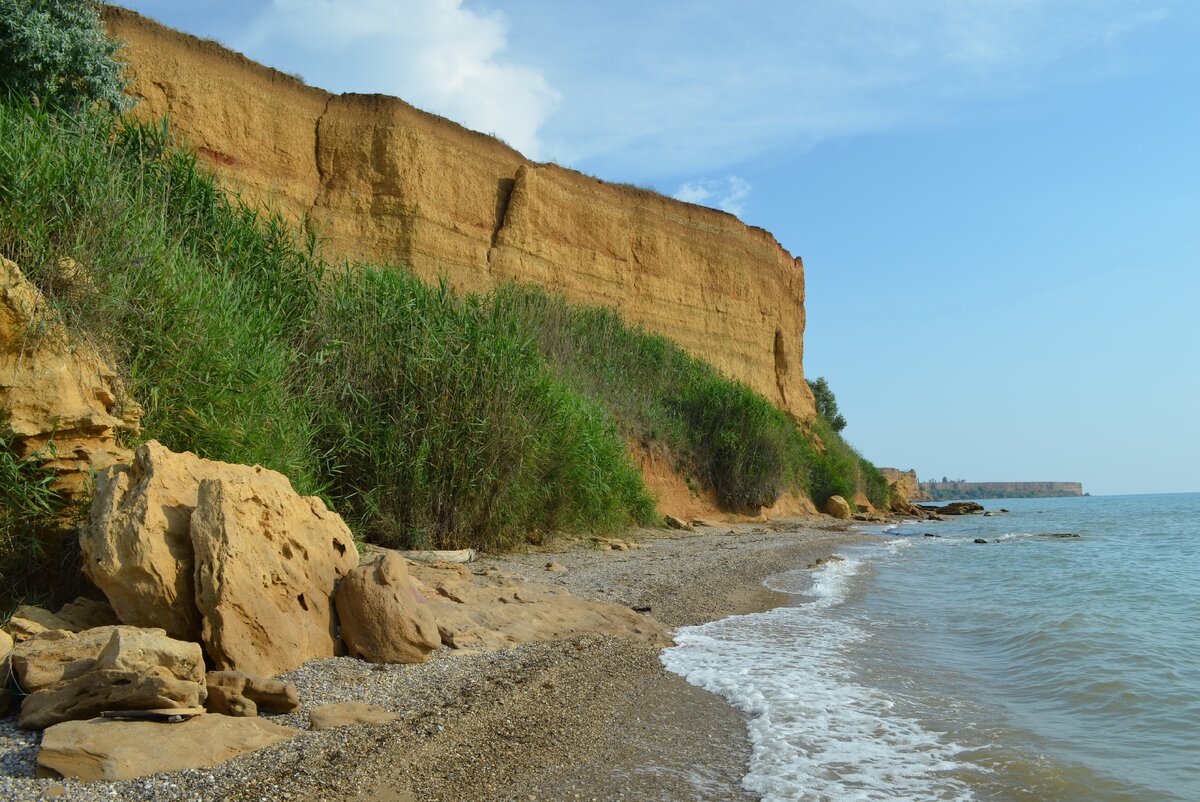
[(591, 718)]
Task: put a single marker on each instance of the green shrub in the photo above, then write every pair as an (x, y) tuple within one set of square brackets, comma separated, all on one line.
[(55, 51), (30, 542), (198, 298), (826, 403), (448, 429)]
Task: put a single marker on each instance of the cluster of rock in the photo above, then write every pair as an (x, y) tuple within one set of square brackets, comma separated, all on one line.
[(217, 578)]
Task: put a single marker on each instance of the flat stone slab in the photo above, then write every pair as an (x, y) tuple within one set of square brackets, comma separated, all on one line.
[(345, 714), (108, 749)]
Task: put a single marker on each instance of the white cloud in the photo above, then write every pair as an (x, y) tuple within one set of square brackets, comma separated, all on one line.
[(702, 90), (727, 194), (435, 54)]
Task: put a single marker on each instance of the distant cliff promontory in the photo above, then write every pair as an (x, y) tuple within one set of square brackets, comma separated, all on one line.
[(943, 491)]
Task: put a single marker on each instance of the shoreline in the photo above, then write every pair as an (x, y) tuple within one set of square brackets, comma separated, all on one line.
[(590, 718)]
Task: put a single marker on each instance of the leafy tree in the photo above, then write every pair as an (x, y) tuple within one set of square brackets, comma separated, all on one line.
[(827, 406), (56, 52)]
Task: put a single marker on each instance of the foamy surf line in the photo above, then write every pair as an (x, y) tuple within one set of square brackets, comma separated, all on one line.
[(815, 733)]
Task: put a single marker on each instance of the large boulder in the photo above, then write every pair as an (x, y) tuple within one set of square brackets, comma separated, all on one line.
[(137, 670), (493, 611), (226, 554), (838, 507), (233, 693), (103, 749), (137, 545), (384, 618), (267, 562), (58, 398)]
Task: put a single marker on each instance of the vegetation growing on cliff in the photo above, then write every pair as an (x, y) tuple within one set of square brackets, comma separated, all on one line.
[(55, 52), (426, 418)]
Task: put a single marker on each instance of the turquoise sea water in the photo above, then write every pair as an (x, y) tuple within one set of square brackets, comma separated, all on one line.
[(932, 668)]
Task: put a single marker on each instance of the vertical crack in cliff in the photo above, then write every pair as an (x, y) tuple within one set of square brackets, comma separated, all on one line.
[(504, 193), (317, 164), (781, 367)]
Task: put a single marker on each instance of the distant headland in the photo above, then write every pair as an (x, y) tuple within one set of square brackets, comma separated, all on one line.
[(907, 484)]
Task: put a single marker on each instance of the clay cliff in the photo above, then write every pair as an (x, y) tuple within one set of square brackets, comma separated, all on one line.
[(904, 484), (384, 182)]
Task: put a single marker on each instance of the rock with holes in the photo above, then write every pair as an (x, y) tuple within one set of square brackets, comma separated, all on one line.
[(232, 693), (137, 545), (267, 562), (103, 749), (384, 618), (138, 669)]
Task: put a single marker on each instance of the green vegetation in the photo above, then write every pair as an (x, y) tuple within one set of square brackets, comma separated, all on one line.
[(448, 429), (826, 403), (426, 418), (28, 536), (720, 432), (54, 52)]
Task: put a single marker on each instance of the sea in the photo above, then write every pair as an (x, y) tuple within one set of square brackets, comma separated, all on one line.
[(926, 666)]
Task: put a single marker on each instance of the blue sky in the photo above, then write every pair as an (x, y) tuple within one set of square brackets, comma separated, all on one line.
[(997, 201)]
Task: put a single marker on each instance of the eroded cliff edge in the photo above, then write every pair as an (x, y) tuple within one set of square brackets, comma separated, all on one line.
[(385, 182)]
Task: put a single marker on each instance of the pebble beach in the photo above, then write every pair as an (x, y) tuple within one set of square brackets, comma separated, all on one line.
[(590, 718)]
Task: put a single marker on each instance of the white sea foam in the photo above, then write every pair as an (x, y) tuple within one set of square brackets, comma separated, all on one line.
[(816, 733)]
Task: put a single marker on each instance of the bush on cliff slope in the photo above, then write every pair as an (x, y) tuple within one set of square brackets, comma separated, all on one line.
[(447, 427), (722, 433), (56, 51)]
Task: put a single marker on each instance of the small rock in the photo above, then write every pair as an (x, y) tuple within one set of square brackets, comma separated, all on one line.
[(556, 568), (233, 693), (980, 540), (931, 534), (671, 522), (345, 714), (832, 558), (84, 613)]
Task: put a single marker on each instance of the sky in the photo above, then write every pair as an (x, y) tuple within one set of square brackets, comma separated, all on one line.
[(997, 201)]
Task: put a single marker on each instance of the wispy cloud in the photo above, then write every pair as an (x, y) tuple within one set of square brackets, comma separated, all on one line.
[(700, 92), (436, 54), (727, 194)]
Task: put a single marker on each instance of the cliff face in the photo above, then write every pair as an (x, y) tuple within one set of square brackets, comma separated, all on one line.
[(387, 183), (905, 483)]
